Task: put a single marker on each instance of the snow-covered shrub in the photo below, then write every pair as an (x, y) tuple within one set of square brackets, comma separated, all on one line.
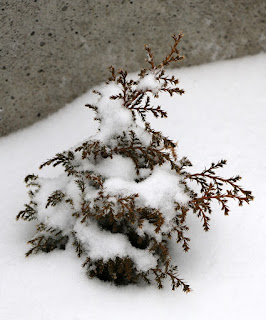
[(124, 193)]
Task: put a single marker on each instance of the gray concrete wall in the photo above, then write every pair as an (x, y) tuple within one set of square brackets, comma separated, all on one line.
[(52, 51)]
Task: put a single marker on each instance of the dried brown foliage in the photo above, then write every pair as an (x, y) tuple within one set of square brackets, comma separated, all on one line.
[(118, 214)]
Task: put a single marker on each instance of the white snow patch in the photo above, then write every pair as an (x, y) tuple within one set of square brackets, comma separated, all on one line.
[(159, 190), (59, 216), (115, 118), (102, 244), (149, 82), (118, 166)]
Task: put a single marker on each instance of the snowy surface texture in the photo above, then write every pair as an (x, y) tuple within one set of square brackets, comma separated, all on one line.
[(222, 115)]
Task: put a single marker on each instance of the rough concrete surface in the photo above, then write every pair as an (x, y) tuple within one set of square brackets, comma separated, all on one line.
[(53, 51)]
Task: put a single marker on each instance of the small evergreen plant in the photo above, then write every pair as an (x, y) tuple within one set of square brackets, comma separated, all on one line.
[(124, 193)]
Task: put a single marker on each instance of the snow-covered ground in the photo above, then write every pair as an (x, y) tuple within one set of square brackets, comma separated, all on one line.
[(221, 116)]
